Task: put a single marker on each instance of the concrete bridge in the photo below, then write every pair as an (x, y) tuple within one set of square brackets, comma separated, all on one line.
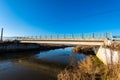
[(78, 39), (106, 55)]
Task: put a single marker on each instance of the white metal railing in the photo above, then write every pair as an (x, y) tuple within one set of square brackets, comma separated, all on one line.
[(82, 36)]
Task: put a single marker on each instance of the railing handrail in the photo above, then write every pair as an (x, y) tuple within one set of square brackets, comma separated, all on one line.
[(107, 35)]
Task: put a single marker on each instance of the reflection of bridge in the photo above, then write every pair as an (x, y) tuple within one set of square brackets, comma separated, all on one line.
[(79, 39)]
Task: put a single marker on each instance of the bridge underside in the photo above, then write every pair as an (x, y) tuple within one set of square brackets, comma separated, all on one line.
[(67, 41)]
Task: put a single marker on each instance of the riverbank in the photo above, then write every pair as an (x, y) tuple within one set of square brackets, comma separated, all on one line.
[(16, 46), (87, 50), (92, 68)]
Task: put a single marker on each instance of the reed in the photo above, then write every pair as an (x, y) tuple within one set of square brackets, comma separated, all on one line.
[(91, 68), (84, 49)]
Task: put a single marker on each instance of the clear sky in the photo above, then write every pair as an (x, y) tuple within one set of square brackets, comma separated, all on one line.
[(36, 17)]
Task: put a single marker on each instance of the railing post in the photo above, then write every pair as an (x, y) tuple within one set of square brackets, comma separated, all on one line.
[(64, 36), (72, 35), (57, 36), (2, 34), (106, 35), (36, 37), (31, 37), (51, 36), (111, 36), (93, 35), (17, 38), (45, 36), (82, 35), (40, 36)]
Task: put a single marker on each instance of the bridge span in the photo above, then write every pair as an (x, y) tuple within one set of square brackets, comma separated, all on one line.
[(67, 41), (81, 39)]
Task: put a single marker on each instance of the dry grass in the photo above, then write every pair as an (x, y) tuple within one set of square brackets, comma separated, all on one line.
[(91, 69), (114, 46), (84, 49)]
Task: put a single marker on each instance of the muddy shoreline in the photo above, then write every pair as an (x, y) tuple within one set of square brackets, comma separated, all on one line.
[(87, 50), (7, 47)]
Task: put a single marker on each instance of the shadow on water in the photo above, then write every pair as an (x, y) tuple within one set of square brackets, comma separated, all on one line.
[(10, 56)]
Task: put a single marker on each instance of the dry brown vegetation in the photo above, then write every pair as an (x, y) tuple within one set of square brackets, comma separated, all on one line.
[(114, 46), (91, 69), (84, 49)]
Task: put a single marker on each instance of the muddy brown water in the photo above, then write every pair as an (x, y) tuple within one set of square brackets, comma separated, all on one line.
[(36, 65)]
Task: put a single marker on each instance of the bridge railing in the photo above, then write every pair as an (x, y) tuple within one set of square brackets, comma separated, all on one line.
[(107, 35)]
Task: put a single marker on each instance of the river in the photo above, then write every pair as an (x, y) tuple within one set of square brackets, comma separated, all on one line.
[(36, 65)]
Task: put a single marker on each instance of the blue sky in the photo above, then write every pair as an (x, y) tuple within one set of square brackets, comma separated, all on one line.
[(37, 17)]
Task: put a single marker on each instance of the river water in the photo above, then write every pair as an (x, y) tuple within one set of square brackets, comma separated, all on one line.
[(36, 65)]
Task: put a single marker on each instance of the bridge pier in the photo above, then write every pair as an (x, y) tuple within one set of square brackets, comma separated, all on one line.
[(108, 56)]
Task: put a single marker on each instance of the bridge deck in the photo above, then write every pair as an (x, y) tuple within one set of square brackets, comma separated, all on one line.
[(63, 39)]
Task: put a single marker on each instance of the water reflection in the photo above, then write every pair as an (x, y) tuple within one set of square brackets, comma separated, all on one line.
[(13, 71), (35, 65), (59, 55), (11, 56)]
